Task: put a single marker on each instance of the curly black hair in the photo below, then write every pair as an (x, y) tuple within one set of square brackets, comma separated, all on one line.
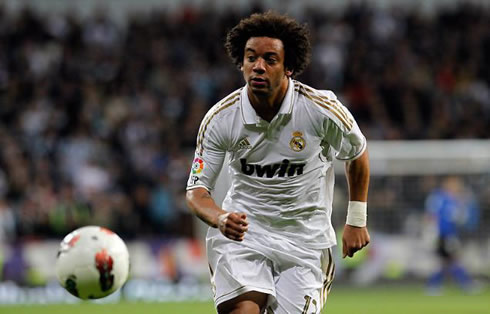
[(294, 36)]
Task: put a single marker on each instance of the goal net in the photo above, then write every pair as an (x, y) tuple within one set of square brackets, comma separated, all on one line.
[(403, 173)]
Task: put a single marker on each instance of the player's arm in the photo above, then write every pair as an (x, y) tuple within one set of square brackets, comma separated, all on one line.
[(209, 158), (356, 235), (231, 225)]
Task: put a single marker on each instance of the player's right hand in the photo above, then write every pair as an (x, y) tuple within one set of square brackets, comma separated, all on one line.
[(233, 225)]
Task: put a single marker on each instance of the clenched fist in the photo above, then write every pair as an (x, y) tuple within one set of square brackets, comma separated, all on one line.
[(233, 225)]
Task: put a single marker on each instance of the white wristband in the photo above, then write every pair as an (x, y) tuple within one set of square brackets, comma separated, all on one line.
[(357, 214)]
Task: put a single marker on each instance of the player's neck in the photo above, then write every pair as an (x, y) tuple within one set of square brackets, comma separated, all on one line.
[(267, 105)]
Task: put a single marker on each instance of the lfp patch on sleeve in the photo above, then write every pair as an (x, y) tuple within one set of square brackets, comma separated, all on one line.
[(197, 166)]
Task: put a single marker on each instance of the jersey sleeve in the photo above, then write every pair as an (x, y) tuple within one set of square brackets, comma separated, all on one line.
[(341, 131), (208, 158)]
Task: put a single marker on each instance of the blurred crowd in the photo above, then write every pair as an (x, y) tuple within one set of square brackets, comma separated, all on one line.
[(98, 119)]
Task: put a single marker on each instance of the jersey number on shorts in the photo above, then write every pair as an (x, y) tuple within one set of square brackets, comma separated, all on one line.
[(307, 304)]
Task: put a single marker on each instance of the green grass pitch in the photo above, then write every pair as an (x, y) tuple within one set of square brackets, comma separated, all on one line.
[(371, 300)]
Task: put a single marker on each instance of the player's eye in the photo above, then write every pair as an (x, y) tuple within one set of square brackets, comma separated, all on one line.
[(250, 58)]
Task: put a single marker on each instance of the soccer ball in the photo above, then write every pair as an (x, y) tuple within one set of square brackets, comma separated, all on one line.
[(92, 262)]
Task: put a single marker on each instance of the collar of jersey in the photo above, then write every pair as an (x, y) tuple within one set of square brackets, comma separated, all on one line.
[(249, 115)]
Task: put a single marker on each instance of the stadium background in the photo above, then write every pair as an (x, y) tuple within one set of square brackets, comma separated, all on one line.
[(100, 102)]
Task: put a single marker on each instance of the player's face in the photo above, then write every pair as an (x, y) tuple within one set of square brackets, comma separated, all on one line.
[(263, 65)]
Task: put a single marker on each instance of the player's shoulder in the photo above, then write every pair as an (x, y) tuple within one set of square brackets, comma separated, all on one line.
[(225, 106), (313, 94), (219, 119), (324, 103)]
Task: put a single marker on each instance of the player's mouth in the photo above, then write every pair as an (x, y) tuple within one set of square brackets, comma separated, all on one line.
[(258, 82)]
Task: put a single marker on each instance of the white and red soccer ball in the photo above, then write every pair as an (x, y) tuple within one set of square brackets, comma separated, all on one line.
[(92, 262)]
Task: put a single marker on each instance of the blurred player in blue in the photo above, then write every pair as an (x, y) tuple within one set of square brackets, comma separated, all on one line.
[(452, 209)]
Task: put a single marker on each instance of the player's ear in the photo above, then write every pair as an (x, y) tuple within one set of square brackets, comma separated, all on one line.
[(289, 72)]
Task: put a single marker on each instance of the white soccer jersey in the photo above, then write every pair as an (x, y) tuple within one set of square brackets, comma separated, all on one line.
[(281, 172)]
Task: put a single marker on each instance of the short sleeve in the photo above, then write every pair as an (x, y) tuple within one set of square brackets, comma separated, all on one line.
[(342, 133), (208, 158)]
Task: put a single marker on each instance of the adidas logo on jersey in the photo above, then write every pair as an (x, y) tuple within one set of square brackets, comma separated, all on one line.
[(244, 144), (281, 170)]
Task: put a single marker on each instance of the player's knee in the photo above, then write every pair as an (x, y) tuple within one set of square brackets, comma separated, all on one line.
[(249, 303), (242, 307)]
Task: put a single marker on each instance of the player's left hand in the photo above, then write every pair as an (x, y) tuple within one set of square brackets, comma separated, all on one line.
[(354, 239)]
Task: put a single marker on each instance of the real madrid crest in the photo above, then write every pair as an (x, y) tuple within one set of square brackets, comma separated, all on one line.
[(297, 143)]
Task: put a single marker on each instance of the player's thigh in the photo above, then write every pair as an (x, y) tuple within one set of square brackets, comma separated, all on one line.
[(304, 289)]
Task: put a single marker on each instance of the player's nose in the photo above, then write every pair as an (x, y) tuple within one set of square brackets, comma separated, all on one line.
[(259, 65)]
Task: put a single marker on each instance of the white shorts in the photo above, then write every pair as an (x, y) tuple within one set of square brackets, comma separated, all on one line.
[(297, 279)]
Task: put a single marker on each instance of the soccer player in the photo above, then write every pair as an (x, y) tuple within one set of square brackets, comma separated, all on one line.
[(451, 208), (269, 245)]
